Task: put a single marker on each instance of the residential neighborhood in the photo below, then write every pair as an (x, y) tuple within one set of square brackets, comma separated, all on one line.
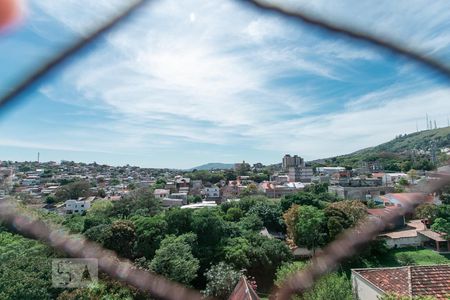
[(339, 194)]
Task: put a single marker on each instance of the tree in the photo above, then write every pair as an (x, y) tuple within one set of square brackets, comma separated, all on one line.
[(412, 175), (50, 199), (354, 210), (141, 200), (251, 189), (250, 223), (266, 256), (73, 190), (150, 231), (310, 227), (234, 214), (441, 225), (427, 211), (301, 198), (99, 233), (178, 220), (174, 259), (237, 252), (331, 287), (405, 259), (208, 225), (403, 181), (122, 237), (221, 281), (25, 268), (101, 193), (270, 214)]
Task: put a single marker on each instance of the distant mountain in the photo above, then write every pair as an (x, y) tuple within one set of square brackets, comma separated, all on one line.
[(214, 166), (397, 154)]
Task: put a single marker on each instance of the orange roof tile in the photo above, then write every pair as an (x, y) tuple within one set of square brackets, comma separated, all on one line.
[(410, 281)]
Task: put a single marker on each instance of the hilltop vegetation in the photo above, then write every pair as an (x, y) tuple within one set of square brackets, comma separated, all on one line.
[(405, 152)]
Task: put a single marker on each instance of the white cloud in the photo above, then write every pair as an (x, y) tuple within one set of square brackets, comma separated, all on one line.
[(214, 73)]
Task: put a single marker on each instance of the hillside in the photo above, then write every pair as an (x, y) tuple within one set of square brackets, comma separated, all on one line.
[(400, 154), (214, 166)]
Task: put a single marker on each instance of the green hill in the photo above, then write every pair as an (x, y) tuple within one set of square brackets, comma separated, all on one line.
[(214, 166), (401, 154)]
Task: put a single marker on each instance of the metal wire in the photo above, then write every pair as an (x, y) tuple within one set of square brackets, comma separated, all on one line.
[(346, 245), (118, 268), (64, 55), (334, 28)]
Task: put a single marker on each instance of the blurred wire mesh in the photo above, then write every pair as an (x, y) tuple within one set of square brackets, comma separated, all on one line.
[(345, 246)]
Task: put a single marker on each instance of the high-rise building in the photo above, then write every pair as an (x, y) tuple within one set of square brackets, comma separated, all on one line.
[(292, 161)]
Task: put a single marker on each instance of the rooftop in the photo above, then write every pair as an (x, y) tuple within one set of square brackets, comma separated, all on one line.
[(410, 281)]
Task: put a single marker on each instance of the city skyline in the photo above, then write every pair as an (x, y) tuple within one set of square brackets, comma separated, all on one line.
[(187, 84)]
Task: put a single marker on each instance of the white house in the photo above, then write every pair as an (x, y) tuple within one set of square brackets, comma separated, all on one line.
[(393, 178), (211, 192), (77, 207)]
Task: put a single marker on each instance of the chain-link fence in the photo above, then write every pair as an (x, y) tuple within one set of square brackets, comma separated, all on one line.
[(346, 245)]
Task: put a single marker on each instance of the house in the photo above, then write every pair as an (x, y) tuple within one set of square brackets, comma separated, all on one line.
[(171, 202), (243, 291), (77, 206), (161, 193), (300, 174), (181, 196), (182, 182), (415, 234), (402, 199), (274, 190), (330, 170), (435, 240), (408, 236), (411, 281), (359, 192), (211, 192), (393, 178), (399, 221), (203, 204)]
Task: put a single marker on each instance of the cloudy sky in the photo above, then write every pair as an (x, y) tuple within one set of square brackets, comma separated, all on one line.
[(190, 82)]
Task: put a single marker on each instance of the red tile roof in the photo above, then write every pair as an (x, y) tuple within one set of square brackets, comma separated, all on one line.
[(411, 281), (243, 291)]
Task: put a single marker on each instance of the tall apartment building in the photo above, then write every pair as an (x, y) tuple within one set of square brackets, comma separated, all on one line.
[(300, 174), (292, 162)]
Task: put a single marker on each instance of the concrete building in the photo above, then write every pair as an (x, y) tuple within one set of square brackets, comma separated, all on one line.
[(161, 193), (180, 196), (77, 206), (289, 161), (211, 192), (393, 178), (329, 170), (172, 202), (300, 174), (359, 192)]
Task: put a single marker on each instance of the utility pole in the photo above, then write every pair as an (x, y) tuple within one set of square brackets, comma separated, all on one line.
[(435, 126)]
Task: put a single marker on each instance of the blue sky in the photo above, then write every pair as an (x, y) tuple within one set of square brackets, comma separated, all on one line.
[(190, 82)]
